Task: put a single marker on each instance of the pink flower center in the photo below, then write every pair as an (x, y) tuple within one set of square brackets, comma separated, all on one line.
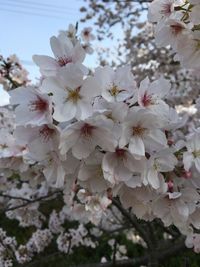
[(170, 185), (46, 133), (166, 9), (86, 33), (120, 152), (138, 130), (87, 130), (62, 61), (187, 174), (39, 104), (146, 99), (176, 29)]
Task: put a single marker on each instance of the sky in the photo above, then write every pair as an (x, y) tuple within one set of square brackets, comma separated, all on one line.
[(27, 25)]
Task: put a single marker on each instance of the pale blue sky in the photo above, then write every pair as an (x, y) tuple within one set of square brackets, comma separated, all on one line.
[(27, 25)]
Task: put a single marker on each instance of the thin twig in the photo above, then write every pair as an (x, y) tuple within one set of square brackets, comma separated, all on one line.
[(171, 250), (134, 221), (29, 202)]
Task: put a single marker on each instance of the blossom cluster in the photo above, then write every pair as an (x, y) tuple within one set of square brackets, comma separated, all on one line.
[(7, 247), (178, 25), (12, 74), (94, 136), (67, 240)]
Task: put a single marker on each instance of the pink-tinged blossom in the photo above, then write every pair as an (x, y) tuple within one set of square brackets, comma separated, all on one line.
[(116, 85), (192, 155), (116, 112), (170, 32), (150, 95), (65, 53), (177, 24), (160, 9), (32, 107), (9, 148), (69, 33), (175, 208), (54, 170), (162, 161), (188, 50), (45, 137), (140, 199), (87, 35), (90, 174), (95, 205), (193, 241), (171, 119), (121, 166), (72, 95), (142, 133), (83, 136), (108, 140), (195, 11)]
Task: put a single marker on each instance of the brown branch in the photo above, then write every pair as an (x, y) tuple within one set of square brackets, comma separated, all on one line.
[(14, 197), (171, 250), (119, 229), (134, 221), (114, 253), (29, 202)]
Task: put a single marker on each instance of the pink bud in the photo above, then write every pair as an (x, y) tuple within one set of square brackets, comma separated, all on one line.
[(170, 185), (187, 174)]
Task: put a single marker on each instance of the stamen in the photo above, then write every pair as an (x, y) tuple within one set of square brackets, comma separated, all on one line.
[(114, 91), (146, 99), (170, 185), (120, 152), (86, 33), (87, 130), (176, 29), (39, 104), (196, 153), (46, 133), (138, 130), (74, 95), (62, 61), (166, 9), (197, 44)]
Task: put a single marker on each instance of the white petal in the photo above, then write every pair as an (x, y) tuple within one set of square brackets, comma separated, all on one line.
[(64, 111), (84, 110), (83, 148), (91, 88), (105, 139), (197, 164), (136, 146), (126, 135), (70, 76), (56, 47), (51, 85), (122, 173), (67, 140), (48, 65), (78, 53), (22, 95), (187, 160), (152, 177), (135, 181), (182, 208)]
